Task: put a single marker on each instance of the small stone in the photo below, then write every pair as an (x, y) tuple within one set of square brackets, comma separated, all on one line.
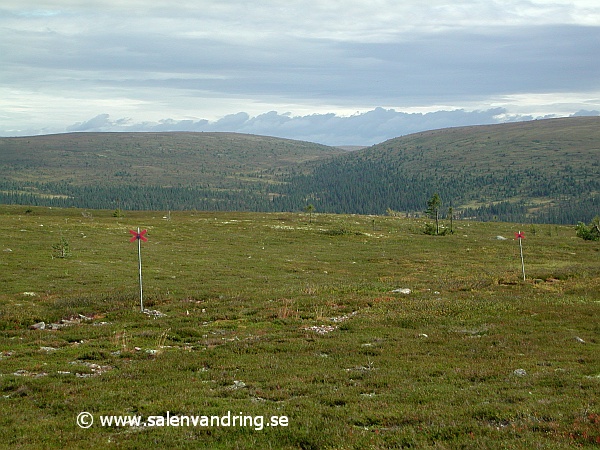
[(38, 326), (578, 339), (154, 313), (84, 375), (237, 384), (405, 291), (520, 372), (321, 329), (26, 373)]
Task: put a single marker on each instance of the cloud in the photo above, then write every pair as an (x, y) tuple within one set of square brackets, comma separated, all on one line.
[(584, 112), (98, 123), (366, 128), (231, 122)]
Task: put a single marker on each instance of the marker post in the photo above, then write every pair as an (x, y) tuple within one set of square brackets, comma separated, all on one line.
[(520, 236), (139, 237)]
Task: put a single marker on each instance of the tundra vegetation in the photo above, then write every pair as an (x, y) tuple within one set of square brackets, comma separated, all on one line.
[(375, 337), (590, 232)]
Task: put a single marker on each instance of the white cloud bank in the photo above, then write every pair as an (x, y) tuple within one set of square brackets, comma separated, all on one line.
[(368, 128)]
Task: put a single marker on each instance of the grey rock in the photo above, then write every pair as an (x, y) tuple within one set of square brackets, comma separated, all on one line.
[(402, 291)]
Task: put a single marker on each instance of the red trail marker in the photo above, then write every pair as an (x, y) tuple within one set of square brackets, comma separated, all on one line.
[(520, 236), (139, 236)]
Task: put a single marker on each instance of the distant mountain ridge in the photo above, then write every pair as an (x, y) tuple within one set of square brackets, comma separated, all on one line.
[(540, 171)]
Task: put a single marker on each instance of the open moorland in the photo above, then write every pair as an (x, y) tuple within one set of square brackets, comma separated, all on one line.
[(352, 331)]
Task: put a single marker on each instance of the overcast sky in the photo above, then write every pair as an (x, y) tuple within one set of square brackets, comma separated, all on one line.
[(333, 71)]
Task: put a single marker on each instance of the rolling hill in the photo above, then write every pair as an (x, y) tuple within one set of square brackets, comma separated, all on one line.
[(538, 171), (151, 158), (214, 171), (543, 171)]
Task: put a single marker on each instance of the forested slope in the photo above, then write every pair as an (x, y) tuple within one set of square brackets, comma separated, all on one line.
[(544, 171)]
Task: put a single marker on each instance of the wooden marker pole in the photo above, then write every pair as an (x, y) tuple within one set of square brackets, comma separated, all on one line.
[(139, 237), (140, 270), (520, 236)]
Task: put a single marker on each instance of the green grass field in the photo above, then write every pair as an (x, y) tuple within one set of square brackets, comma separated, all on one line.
[(272, 315)]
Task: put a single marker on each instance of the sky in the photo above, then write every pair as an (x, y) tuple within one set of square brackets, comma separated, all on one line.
[(337, 72)]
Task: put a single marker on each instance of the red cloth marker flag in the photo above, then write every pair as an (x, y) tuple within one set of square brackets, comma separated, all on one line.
[(519, 235), (137, 235)]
